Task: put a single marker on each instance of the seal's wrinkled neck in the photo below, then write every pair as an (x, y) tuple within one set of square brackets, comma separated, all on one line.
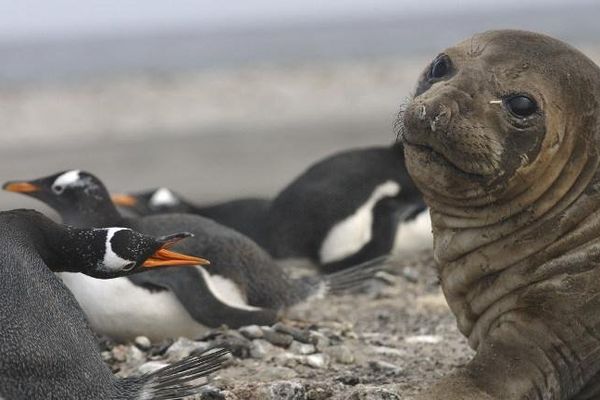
[(485, 258)]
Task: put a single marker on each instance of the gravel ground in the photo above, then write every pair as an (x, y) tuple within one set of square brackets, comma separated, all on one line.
[(386, 342)]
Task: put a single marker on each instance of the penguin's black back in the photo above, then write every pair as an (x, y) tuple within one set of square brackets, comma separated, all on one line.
[(47, 350), (232, 255), (328, 192), (243, 215)]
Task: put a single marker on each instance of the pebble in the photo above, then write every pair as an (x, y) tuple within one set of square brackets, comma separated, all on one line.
[(183, 347), (150, 367), (300, 335), (251, 332), (277, 338), (282, 391), (302, 348), (318, 393), (261, 348), (340, 354), (411, 274), (428, 339), (385, 366), (319, 340), (373, 393), (316, 360), (119, 353), (106, 356), (142, 342), (236, 342)]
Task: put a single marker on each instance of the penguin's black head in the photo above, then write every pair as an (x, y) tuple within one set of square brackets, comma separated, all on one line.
[(62, 190), (149, 202), (113, 252)]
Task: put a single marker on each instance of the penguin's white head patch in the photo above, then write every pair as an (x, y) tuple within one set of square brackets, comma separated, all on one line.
[(112, 262), (68, 179), (163, 197)]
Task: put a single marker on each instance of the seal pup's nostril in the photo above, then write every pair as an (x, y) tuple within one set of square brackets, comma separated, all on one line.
[(441, 120)]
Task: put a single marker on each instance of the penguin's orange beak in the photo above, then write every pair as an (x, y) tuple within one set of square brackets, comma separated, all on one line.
[(21, 187), (124, 200), (164, 257)]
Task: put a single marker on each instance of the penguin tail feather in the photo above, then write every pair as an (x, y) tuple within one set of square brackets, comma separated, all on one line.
[(353, 277), (183, 378)]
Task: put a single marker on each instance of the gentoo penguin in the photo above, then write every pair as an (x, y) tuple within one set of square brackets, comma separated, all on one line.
[(347, 208), (244, 215), (47, 350), (243, 285)]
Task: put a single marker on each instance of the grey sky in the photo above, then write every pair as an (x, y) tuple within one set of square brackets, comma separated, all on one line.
[(34, 18)]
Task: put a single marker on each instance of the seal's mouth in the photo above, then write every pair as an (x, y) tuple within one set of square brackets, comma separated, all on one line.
[(440, 158)]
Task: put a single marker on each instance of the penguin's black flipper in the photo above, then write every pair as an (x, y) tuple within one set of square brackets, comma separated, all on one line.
[(195, 294), (177, 380)]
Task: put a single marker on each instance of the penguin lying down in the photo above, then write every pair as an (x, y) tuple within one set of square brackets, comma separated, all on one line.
[(243, 286), (348, 208), (46, 347)]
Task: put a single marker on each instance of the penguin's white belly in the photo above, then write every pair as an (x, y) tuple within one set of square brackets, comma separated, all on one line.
[(122, 310), (351, 234), (414, 235)]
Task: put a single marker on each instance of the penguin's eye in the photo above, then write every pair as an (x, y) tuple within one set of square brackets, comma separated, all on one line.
[(58, 189), (440, 67), (521, 106), (129, 267)]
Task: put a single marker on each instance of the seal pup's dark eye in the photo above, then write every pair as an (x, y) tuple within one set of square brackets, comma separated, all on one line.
[(520, 105), (440, 67)]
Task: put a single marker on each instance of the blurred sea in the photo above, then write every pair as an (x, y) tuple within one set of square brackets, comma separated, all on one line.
[(219, 114)]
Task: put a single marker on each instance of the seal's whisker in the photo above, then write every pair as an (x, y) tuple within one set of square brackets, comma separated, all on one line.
[(399, 127)]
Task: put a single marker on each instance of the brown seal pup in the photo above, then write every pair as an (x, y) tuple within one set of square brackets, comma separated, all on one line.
[(502, 138)]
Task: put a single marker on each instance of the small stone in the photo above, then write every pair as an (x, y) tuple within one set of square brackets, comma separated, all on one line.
[(410, 274), (389, 351), (428, 339), (251, 332), (183, 347), (287, 359), (384, 366), (300, 335), (316, 360), (135, 356), (319, 393), (277, 338), (340, 354), (150, 366), (142, 343), (119, 353), (212, 393), (282, 391), (106, 356), (235, 342), (350, 380), (261, 349), (319, 340), (373, 393), (302, 348)]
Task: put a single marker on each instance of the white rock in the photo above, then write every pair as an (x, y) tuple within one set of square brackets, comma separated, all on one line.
[(142, 342), (183, 347), (302, 348), (316, 360), (150, 367), (429, 339), (251, 331)]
